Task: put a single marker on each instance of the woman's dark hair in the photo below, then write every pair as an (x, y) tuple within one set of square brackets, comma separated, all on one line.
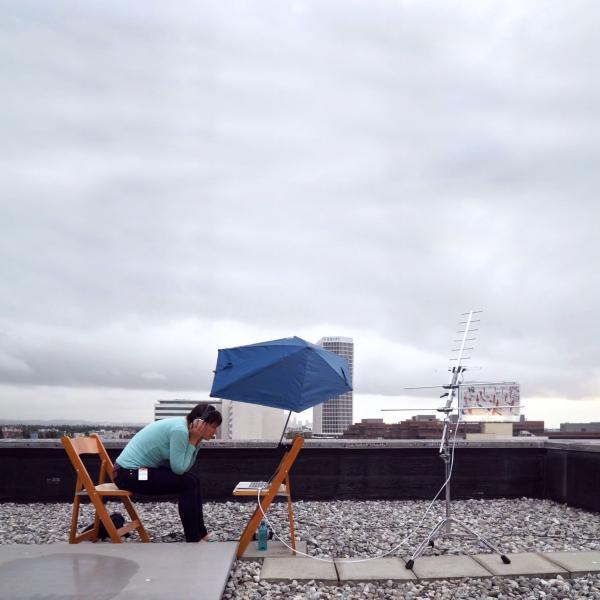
[(207, 412)]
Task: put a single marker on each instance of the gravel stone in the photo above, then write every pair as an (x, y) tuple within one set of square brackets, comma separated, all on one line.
[(351, 529)]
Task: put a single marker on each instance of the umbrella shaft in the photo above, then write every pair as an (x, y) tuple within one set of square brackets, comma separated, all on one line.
[(285, 426)]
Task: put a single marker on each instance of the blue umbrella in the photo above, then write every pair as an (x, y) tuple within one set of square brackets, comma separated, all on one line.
[(290, 373)]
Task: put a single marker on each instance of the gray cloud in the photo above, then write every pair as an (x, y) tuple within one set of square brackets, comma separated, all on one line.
[(177, 180)]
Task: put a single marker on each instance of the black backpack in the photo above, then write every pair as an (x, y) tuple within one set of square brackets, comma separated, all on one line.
[(117, 518)]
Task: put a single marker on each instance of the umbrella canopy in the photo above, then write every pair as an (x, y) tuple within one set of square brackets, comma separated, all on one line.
[(289, 373)]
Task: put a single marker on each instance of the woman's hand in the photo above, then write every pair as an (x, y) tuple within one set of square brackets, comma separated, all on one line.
[(198, 431)]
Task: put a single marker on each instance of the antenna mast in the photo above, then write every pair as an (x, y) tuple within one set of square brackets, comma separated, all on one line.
[(445, 452)]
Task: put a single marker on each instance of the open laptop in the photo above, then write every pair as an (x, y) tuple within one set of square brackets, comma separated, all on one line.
[(252, 485)]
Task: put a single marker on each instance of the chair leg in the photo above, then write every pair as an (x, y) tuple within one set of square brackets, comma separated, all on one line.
[(135, 518), (74, 520), (253, 523), (103, 516), (248, 532), (96, 528), (91, 535), (292, 529)]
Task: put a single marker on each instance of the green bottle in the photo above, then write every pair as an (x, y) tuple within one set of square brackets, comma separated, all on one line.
[(263, 535)]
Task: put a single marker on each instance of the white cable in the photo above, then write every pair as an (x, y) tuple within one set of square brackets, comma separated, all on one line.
[(360, 560)]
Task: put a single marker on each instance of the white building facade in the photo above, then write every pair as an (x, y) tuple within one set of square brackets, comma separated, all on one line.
[(163, 409), (243, 421), (335, 416)]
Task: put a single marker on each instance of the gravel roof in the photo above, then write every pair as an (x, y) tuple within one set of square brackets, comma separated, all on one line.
[(352, 529)]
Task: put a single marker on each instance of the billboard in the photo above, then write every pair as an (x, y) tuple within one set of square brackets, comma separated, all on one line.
[(489, 401)]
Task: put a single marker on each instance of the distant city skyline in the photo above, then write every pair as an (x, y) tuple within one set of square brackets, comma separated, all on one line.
[(137, 406)]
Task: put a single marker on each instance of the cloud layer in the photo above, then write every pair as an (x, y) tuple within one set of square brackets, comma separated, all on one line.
[(179, 180)]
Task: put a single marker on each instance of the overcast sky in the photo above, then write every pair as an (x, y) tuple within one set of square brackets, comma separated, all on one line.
[(177, 180)]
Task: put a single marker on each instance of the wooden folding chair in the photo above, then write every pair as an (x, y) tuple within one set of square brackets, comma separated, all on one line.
[(85, 486), (279, 486)]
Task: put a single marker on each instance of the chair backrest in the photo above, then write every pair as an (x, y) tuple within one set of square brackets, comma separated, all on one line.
[(82, 445), (75, 447), (107, 464)]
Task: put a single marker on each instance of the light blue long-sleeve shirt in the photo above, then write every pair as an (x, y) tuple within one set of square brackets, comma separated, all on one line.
[(163, 443)]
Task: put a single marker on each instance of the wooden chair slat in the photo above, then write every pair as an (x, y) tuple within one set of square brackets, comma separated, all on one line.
[(85, 445)]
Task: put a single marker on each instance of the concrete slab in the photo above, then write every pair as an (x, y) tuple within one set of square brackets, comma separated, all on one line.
[(578, 564), (299, 568), (378, 569), (115, 571), (529, 564), (448, 567), (274, 549)]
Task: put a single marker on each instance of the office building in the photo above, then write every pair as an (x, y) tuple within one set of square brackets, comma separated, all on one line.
[(164, 409), (334, 416), (580, 427), (244, 421)]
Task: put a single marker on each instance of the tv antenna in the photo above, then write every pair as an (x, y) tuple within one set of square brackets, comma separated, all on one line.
[(444, 527)]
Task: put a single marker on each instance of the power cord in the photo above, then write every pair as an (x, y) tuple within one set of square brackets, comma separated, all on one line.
[(350, 561)]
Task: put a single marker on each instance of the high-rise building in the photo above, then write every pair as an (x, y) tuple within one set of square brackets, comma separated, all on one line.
[(334, 416)]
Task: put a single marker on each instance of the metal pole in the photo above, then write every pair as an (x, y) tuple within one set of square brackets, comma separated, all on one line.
[(285, 427), (445, 446), (447, 461)]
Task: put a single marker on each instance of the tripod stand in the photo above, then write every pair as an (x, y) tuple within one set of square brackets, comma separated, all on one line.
[(444, 526)]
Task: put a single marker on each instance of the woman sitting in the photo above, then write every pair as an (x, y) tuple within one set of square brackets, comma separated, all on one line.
[(157, 460)]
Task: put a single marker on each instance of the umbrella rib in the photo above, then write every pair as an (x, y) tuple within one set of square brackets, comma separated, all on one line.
[(304, 372)]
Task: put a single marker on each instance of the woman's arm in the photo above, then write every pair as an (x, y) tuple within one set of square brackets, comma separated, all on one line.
[(181, 452), (184, 447)]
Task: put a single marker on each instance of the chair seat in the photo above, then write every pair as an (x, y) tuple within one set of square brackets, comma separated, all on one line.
[(107, 489)]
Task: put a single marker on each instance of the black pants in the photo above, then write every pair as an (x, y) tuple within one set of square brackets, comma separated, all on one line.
[(163, 482)]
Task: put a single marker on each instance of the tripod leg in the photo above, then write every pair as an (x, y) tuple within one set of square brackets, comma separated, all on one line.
[(482, 540), (410, 563)]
